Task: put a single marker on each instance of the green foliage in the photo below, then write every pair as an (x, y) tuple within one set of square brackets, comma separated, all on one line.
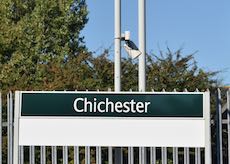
[(173, 70), (36, 33), (169, 71)]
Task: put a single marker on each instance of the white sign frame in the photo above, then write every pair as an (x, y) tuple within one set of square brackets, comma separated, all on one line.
[(19, 121)]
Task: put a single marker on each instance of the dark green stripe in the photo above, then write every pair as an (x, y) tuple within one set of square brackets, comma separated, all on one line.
[(162, 105)]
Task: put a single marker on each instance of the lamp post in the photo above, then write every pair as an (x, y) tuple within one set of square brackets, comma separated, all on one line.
[(117, 47), (142, 47), (117, 69), (117, 63), (142, 60)]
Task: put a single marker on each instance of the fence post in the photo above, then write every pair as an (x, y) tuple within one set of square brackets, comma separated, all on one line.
[(130, 155), (98, 155), (110, 152), (153, 155), (16, 127), (10, 127), (87, 155), (142, 155), (175, 149), (76, 155), (164, 155), (197, 155), (130, 150), (21, 155), (186, 155), (219, 128), (175, 155), (208, 148), (186, 149), (110, 149), (43, 154), (228, 117), (1, 127), (32, 155), (65, 155), (54, 154)]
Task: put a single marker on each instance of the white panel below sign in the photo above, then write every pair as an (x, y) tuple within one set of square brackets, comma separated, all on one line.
[(112, 132)]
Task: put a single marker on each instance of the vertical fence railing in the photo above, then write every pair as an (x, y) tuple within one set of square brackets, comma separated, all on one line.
[(219, 128), (54, 155), (228, 122), (76, 155), (130, 150), (65, 155), (98, 151), (21, 155), (153, 154), (1, 128), (32, 155), (110, 149), (175, 149), (87, 155), (98, 155), (197, 149), (28, 154), (10, 127), (43, 154)]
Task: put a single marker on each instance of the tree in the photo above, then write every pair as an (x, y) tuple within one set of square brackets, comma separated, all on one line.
[(36, 33), (173, 70), (168, 70)]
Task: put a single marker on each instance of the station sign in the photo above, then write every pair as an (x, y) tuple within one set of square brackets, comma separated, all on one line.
[(112, 105), (158, 119)]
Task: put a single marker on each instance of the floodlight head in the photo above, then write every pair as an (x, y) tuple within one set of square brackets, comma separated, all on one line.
[(131, 44), (133, 52)]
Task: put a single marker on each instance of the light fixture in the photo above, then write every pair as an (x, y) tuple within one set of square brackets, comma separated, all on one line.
[(129, 46)]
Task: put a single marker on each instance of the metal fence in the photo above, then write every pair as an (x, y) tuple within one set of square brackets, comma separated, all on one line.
[(220, 129)]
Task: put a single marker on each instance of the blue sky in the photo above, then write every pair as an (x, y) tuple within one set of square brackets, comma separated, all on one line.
[(195, 25)]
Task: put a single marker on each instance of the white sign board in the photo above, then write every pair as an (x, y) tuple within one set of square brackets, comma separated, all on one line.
[(112, 119)]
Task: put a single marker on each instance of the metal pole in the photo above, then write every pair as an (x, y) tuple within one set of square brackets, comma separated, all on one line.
[(186, 155), (54, 154), (228, 117), (16, 128), (117, 47), (130, 155), (153, 155), (21, 156), (76, 155), (175, 155), (98, 155), (65, 155), (142, 48), (10, 128), (175, 149), (110, 158), (197, 156), (117, 62), (208, 147), (43, 154), (164, 155), (32, 155), (142, 157), (87, 155), (219, 129), (0, 127), (197, 149)]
